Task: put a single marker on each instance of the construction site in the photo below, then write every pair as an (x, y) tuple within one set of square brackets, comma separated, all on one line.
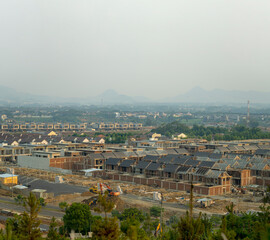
[(132, 195)]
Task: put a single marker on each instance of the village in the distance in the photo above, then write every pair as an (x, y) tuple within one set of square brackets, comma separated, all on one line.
[(152, 157)]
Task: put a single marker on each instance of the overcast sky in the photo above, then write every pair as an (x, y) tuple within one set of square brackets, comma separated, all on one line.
[(137, 47)]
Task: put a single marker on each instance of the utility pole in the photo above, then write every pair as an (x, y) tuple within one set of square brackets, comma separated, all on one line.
[(161, 216)]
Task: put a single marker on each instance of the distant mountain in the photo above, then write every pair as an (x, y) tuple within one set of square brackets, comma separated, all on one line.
[(200, 95), (112, 97), (109, 97)]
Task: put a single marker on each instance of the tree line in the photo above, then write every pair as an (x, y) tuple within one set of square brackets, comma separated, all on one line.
[(237, 132)]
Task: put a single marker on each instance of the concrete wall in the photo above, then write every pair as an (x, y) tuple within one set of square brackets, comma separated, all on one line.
[(34, 162)]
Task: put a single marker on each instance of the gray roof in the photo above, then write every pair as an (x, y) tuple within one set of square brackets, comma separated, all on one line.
[(183, 169), (171, 168), (201, 171), (240, 164), (262, 152), (214, 173), (207, 164), (127, 163), (154, 166), (221, 166), (96, 156), (215, 156), (171, 151), (167, 159), (201, 154), (259, 166), (142, 164), (181, 151), (151, 158), (192, 163), (181, 160), (119, 154), (113, 161), (107, 155)]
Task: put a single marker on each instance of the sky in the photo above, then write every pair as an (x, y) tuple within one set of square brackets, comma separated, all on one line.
[(151, 48)]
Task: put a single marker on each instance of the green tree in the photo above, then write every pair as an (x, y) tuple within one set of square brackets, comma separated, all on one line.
[(106, 229), (19, 199), (132, 213), (78, 218), (63, 205), (53, 233), (104, 204), (9, 234), (28, 226)]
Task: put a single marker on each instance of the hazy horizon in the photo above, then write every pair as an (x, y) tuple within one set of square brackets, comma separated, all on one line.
[(138, 48)]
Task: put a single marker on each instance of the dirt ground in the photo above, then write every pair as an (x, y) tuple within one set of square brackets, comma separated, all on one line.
[(175, 202)]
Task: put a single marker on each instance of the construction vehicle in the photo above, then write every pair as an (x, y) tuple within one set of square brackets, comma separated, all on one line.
[(102, 188), (108, 188), (93, 189)]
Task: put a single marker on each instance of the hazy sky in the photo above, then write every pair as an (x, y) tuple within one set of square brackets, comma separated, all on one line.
[(137, 47)]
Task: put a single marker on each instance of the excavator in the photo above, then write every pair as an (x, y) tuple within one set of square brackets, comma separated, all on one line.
[(102, 188)]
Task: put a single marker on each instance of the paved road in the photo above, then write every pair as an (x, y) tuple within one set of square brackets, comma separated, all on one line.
[(47, 211), (42, 226), (56, 188)]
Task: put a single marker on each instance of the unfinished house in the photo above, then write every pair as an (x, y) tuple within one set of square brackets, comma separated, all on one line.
[(97, 161), (183, 173), (151, 158), (216, 177), (119, 155), (113, 163), (127, 166), (153, 170), (181, 160), (261, 170), (141, 167), (167, 159), (171, 171)]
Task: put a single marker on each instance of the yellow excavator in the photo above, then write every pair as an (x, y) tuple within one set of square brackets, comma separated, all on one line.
[(101, 188), (93, 189)]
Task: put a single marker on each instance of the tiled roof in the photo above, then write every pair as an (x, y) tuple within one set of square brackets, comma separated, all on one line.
[(113, 161), (214, 173), (201, 171), (171, 168), (192, 163), (142, 164), (171, 151), (154, 166), (107, 155), (207, 164), (259, 166), (150, 158), (181, 160), (167, 159), (183, 169), (119, 154), (181, 151), (96, 156), (127, 163)]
